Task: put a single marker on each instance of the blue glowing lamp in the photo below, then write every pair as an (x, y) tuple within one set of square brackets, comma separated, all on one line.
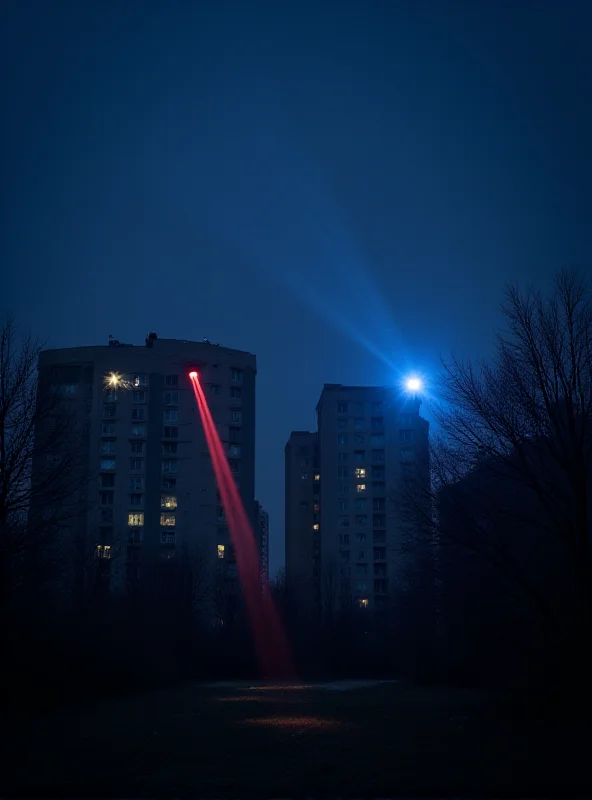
[(413, 384)]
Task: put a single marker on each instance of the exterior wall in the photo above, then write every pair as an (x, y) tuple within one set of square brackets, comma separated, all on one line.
[(262, 536), (130, 430), (302, 515), (367, 438)]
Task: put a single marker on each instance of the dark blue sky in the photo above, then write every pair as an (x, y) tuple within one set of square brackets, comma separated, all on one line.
[(340, 188)]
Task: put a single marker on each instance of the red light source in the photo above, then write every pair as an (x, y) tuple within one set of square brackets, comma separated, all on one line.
[(193, 375)]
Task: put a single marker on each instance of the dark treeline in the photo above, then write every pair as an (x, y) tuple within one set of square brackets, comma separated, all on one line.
[(494, 565)]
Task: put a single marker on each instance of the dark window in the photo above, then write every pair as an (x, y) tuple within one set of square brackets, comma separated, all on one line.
[(359, 422), (342, 438), (135, 499), (405, 436), (138, 413), (108, 446), (106, 498), (359, 456), (361, 503), (107, 515), (344, 522), (108, 481), (135, 484), (344, 538), (109, 411), (380, 586), (379, 537), (215, 388), (105, 534), (139, 429), (234, 434), (377, 423), (169, 447), (136, 464), (342, 423), (361, 519), (379, 521), (378, 473), (378, 504), (303, 450), (107, 428), (342, 472), (137, 447), (304, 506), (377, 455), (171, 398), (379, 553), (171, 415), (139, 396), (377, 405), (236, 415), (379, 488), (234, 465), (342, 408), (342, 457), (344, 555), (236, 375), (170, 432), (169, 483), (235, 392), (342, 505), (171, 380)]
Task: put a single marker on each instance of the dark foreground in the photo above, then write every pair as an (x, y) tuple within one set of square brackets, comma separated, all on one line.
[(287, 741)]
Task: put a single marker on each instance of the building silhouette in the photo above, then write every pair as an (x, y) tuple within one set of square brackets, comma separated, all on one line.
[(149, 486), (343, 533)]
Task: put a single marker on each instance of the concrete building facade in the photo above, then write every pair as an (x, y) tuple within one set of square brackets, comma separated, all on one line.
[(369, 438), (302, 519), (150, 486)]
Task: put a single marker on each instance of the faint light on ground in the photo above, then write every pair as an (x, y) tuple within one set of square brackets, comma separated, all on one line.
[(243, 698), (296, 724), (281, 687)]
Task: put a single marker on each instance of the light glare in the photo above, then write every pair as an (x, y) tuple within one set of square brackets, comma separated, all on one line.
[(413, 384), (193, 375)]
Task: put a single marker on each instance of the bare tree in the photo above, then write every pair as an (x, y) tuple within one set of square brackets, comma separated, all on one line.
[(39, 460), (512, 464)]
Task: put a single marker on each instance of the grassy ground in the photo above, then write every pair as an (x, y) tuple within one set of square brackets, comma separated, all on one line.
[(289, 741)]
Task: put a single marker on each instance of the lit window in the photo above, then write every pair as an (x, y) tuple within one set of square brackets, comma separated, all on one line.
[(221, 549), (360, 472), (363, 602), (168, 501), (167, 520), (315, 527), (138, 430), (138, 413), (135, 520), (140, 380), (104, 551), (171, 398), (171, 415), (107, 463), (236, 375), (169, 466), (316, 477), (360, 487), (136, 464)]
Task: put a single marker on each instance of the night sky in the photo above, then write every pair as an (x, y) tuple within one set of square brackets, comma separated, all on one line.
[(340, 188)]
